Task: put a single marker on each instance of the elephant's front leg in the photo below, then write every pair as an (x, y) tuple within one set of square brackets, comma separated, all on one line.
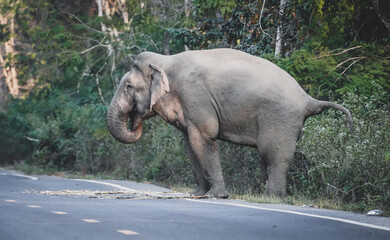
[(203, 185), (205, 150)]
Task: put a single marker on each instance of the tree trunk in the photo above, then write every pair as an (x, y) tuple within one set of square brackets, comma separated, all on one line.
[(187, 7), (279, 31), (123, 11), (107, 9), (6, 50), (165, 43), (381, 16), (100, 8), (3, 91)]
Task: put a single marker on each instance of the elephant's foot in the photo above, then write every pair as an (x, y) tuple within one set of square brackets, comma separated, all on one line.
[(278, 190), (199, 192), (217, 192)]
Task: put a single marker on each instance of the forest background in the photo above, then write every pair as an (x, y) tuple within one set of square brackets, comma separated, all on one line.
[(62, 60)]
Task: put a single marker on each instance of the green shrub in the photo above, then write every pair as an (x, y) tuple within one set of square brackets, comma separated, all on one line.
[(320, 71), (346, 168), (241, 168), (14, 140)]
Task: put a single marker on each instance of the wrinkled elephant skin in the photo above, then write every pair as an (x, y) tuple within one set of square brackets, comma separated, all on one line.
[(217, 94)]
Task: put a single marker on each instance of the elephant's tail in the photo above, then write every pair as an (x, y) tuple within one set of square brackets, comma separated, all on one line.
[(316, 107)]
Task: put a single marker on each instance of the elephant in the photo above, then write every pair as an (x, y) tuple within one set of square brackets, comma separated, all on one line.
[(217, 94)]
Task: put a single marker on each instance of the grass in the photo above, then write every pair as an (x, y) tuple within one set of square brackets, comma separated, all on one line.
[(296, 200), (33, 169), (299, 200)]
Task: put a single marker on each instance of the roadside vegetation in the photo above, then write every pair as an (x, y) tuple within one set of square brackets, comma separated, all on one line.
[(62, 60)]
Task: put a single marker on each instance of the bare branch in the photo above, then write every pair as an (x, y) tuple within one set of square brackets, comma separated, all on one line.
[(32, 139), (100, 91), (93, 47), (350, 65), (261, 15), (79, 20), (350, 59), (338, 189), (339, 53)]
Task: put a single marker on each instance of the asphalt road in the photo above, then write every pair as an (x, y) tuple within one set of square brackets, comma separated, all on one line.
[(47, 207)]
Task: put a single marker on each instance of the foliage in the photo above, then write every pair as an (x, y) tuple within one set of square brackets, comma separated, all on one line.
[(206, 7), (346, 168), (359, 70), (251, 26), (14, 144), (241, 29)]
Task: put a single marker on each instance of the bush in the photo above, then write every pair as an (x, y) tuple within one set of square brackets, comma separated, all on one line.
[(241, 168), (333, 164), (320, 71), (14, 143), (69, 135)]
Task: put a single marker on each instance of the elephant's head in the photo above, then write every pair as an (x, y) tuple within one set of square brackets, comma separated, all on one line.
[(138, 91)]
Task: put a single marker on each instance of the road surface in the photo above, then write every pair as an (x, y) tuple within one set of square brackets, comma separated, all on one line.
[(49, 207)]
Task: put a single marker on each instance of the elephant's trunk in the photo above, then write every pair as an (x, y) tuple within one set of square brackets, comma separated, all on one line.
[(117, 124)]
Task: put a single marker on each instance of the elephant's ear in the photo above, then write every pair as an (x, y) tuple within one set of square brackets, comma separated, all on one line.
[(159, 85)]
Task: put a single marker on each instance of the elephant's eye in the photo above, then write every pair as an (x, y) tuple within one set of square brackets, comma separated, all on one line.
[(129, 87)]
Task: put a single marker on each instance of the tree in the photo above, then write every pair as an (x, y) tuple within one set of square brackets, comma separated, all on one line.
[(10, 41), (7, 48), (279, 31), (382, 16)]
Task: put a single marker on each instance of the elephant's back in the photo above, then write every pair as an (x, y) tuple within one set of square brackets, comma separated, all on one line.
[(237, 63), (220, 68)]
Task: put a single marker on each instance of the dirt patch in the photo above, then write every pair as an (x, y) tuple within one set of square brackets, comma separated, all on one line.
[(117, 194)]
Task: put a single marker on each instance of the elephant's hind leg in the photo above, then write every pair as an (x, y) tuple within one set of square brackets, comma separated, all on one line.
[(276, 145), (278, 158), (276, 184)]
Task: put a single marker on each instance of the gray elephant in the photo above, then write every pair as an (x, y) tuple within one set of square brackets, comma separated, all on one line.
[(217, 94)]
